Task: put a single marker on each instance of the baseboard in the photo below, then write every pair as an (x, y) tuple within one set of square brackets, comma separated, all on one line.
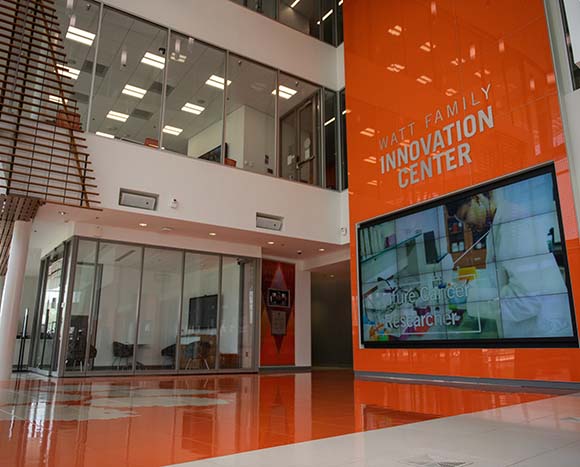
[(285, 369), (466, 381)]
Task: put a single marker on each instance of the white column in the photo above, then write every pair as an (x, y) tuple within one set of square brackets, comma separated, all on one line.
[(10, 309)]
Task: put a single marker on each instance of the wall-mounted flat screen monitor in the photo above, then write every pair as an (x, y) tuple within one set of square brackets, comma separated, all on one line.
[(483, 268), (203, 312)]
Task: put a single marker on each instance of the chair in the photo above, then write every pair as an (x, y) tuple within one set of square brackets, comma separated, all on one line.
[(76, 351), (122, 351)]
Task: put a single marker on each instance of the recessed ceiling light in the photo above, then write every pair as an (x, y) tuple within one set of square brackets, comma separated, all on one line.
[(78, 35), (321, 249), (105, 135), (134, 91), (142, 224), (340, 2), (296, 2), (120, 117), (212, 234), (216, 81), (332, 276), (156, 61), (328, 122), (285, 92), (270, 243), (193, 108), (62, 213), (171, 130), (67, 71)]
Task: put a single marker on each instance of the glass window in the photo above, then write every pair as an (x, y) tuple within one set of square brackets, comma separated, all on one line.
[(129, 81), (331, 139), (79, 22), (236, 325), (80, 308), (344, 159), (250, 120), (299, 107), (304, 16), (199, 321), (159, 309), (328, 21), (339, 23), (264, 7), (194, 107), (115, 311)]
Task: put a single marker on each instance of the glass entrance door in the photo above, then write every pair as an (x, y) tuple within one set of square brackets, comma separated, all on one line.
[(49, 311)]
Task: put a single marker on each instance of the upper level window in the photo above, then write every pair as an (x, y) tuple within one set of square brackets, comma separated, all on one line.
[(570, 14)]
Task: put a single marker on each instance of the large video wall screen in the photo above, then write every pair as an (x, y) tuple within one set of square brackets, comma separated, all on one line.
[(485, 268)]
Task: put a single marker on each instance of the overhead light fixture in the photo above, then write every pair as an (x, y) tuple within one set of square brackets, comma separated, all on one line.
[(368, 132), (296, 2), (78, 35), (285, 92), (328, 122), (270, 243), (142, 224), (212, 234), (427, 46), (321, 249), (216, 82), (327, 15), (62, 213), (156, 61), (424, 79), (120, 117), (395, 30), (171, 130), (332, 276), (340, 2), (134, 91), (192, 108), (67, 71), (105, 135)]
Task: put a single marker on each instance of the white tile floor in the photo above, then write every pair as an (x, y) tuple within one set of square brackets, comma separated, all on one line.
[(537, 434)]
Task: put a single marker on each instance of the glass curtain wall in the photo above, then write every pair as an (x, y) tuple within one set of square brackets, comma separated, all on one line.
[(264, 7), (142, 83), (330, 131), (299, 109), (137, 309), (343, 157)]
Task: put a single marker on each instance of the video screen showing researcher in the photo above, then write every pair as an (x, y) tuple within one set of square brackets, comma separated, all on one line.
[(489, 265)]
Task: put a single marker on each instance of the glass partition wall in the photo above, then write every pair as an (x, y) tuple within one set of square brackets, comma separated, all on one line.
[(142, 83), (110, 308)]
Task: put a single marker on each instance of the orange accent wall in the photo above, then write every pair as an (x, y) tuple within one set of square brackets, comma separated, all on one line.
[(407, 59)]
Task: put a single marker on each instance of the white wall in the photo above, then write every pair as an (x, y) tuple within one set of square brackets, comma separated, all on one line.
[(240, 30), (211, 193)]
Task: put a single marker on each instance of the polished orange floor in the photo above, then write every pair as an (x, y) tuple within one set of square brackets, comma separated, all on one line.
[(158, 421)]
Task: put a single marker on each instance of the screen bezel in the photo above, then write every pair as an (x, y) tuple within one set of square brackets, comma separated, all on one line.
[(529, 342)]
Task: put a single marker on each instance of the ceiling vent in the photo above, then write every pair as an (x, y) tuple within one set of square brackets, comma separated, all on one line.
[(138, 199), (268, 221)]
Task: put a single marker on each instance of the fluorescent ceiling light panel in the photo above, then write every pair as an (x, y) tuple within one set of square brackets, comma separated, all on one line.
[(328, 122), (327, 15), (105, 135), (67, 71), (134, 91), (193, 108), (171, 130), (120, 117), (153, 60), (78, 35), (296, 2), (340, 3), (285, 92), (216, 81)]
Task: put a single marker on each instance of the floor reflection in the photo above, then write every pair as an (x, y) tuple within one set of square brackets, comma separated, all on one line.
[(156, 421)]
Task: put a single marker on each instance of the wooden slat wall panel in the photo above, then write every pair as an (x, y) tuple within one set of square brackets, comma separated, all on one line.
[(42, 155)]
